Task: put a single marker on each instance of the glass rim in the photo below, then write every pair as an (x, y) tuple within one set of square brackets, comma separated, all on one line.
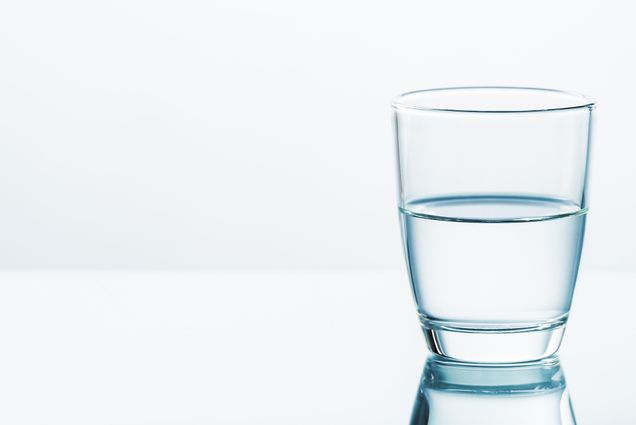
[(581, 103)]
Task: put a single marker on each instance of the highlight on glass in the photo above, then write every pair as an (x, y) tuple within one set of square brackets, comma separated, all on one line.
[(493, 203)]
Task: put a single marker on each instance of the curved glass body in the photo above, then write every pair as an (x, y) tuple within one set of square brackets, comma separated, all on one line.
[(493, 203)]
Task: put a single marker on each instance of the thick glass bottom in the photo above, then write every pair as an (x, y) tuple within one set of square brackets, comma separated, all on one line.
[(499, 345)]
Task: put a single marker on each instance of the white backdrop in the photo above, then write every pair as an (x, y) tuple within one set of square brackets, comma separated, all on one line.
[(173, 134)]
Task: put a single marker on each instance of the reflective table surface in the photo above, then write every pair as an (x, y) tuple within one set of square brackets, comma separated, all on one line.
[(285, 348)]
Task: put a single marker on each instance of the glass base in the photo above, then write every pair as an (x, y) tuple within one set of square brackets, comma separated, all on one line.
[(512, 345)]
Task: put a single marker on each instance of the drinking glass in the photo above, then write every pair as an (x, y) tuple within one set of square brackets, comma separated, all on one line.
[(453, 393), (493, 201)]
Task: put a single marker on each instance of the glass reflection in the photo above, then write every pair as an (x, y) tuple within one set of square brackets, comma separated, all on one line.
[(454, 393)]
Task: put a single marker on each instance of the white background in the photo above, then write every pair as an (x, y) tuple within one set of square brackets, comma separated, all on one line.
[(250, 134)]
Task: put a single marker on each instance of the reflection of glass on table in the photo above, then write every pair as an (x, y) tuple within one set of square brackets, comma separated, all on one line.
[(453, 393)]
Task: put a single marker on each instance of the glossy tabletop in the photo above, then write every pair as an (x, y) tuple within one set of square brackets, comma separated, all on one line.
[(339, 347)]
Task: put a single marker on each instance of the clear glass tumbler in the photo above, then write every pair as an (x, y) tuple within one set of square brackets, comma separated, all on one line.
[(492, 199)]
